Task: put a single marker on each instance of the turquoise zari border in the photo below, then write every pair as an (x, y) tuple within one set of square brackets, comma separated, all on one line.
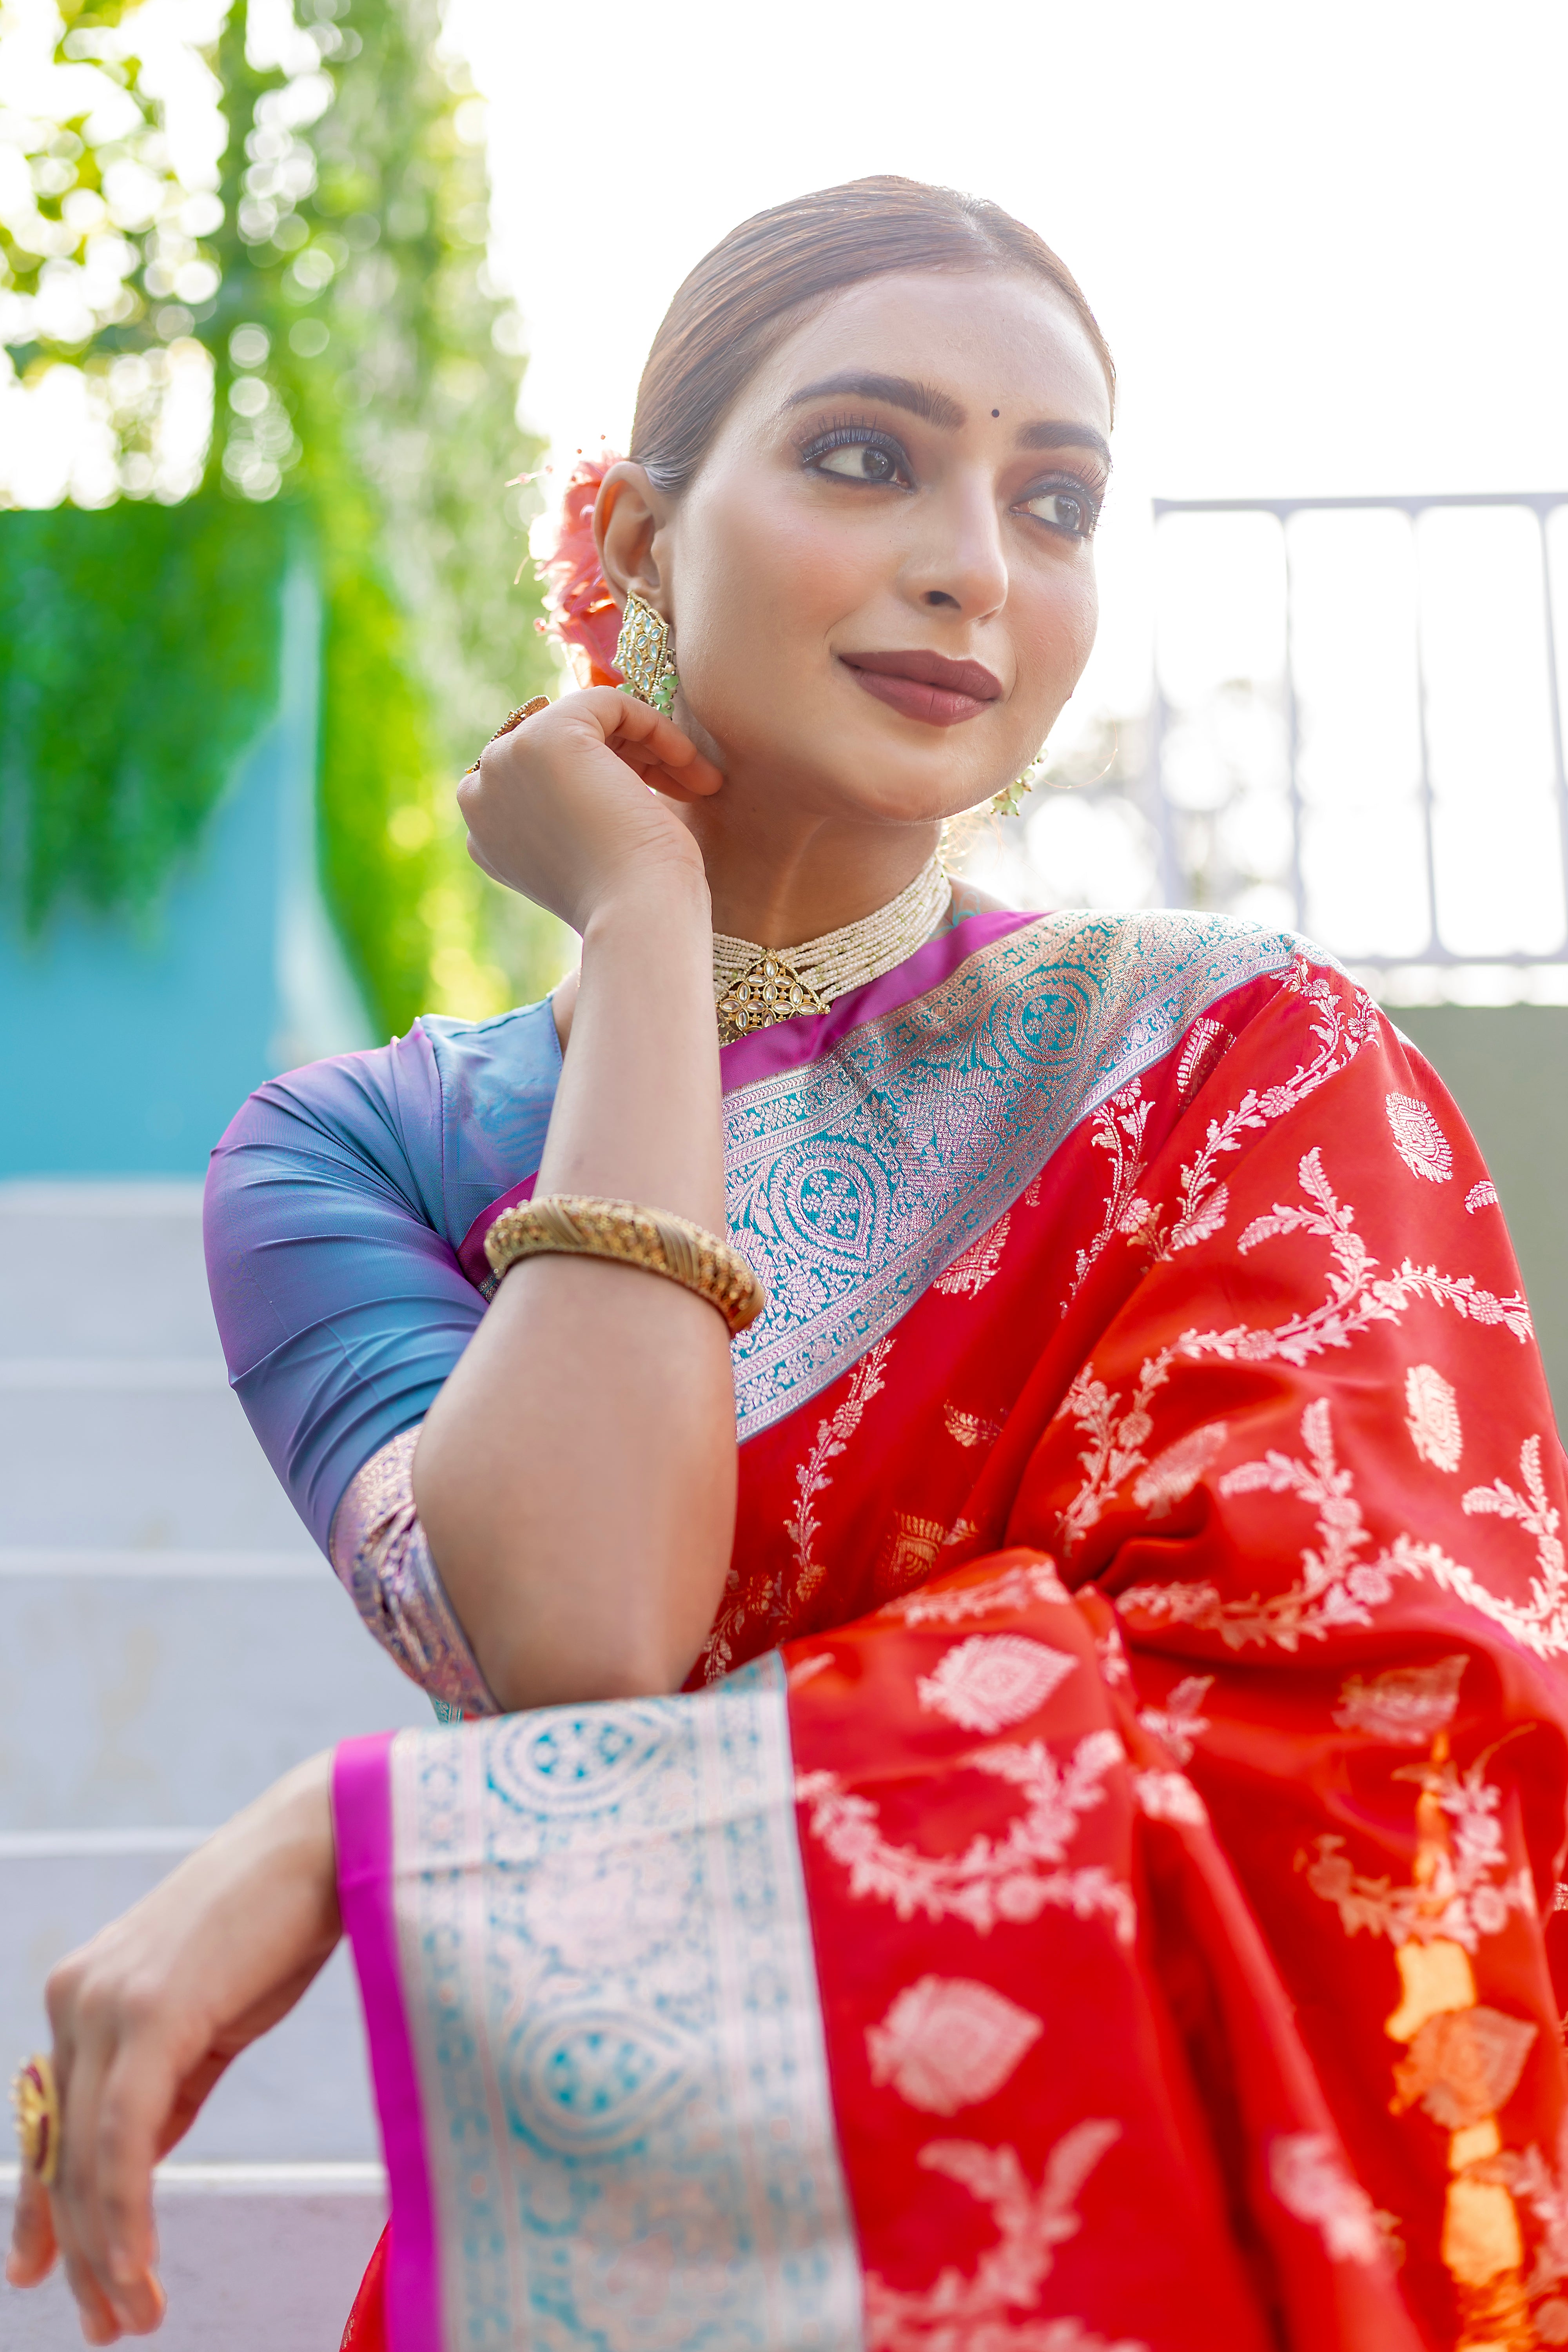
[(608, 1972), (855, 1182)]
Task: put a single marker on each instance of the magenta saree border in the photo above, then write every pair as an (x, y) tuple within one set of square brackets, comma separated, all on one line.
[(361, 1812), (789, 1044)]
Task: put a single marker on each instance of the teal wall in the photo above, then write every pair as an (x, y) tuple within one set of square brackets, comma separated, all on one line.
[(126, 1050), (1507, 1067)]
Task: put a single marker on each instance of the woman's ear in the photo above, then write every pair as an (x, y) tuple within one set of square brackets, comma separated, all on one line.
[(628, 515)]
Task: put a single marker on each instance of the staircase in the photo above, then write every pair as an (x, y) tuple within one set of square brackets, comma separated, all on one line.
[(171, 1641)]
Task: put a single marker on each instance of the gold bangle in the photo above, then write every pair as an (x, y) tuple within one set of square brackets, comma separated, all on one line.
[(568, 1224), (34, 2096)]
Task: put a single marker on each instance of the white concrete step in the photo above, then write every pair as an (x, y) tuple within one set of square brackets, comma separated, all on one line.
[(173, 1642), (146, 1689), (134, 1455), (103, 1269)]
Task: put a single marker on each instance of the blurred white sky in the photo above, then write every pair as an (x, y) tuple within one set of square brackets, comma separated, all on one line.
[(1328, 246)]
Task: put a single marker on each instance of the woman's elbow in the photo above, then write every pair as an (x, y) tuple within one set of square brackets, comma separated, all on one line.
[(614, 1663)]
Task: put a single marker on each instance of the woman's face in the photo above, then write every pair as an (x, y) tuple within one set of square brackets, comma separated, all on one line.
[(881, 578)]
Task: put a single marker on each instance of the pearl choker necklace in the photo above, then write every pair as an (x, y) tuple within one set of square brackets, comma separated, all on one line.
[(754, 986)]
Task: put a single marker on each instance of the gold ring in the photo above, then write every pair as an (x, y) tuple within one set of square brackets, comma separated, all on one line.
[(35, 2095), (514, 718)]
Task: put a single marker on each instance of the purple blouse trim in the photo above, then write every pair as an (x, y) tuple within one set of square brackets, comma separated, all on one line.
[(790, 1044), (380, 1553), (471, 1248), (361, 1812)]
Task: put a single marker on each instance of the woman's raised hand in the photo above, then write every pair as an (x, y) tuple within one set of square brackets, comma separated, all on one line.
[(147, 2017), (561, 809)]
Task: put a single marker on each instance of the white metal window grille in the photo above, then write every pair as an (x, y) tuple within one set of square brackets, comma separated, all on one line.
[(1356, 727)]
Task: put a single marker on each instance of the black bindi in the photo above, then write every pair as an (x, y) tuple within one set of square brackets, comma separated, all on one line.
[(996, 412)]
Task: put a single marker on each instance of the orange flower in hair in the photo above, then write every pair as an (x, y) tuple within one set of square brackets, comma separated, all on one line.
[(581, 613)]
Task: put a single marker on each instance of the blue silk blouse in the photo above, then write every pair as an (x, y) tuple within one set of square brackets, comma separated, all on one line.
[(335, 1203)]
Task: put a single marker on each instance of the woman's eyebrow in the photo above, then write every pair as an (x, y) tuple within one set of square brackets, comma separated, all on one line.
[(1049, 434), (922, 400)]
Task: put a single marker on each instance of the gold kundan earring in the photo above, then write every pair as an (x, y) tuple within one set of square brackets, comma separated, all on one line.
[(644, 658)]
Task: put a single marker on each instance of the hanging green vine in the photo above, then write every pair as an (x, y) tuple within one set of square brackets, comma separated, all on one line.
[(364, 379), (113, 746)]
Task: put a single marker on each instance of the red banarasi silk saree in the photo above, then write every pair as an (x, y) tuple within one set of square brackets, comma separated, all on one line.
[(1100, 1891)]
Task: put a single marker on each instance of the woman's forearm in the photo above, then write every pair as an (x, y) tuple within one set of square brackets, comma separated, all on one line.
[(576, 1476)]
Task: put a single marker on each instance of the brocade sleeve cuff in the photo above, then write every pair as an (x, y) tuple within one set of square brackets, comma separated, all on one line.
[(379, 1552)]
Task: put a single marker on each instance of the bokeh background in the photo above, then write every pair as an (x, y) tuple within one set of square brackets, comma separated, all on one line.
[(305, 306)]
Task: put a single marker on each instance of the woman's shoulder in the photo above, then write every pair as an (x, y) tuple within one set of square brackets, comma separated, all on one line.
[(477, 1059), (496, 1080), (450, 1113)]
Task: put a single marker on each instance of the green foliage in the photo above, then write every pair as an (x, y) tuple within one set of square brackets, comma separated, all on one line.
[(394, 868), (98, 236), (355, 245), (357, 364), (114, 746), (365, 376)]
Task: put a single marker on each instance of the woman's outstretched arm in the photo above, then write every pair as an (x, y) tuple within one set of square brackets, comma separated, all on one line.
[(148, 2016), (575, 1477)]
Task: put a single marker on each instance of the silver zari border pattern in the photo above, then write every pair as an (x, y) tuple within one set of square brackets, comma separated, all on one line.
[(612, 2003), (856, 1180)]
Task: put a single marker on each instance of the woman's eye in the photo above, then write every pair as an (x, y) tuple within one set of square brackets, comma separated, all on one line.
[(1069, 511), (859, 461)]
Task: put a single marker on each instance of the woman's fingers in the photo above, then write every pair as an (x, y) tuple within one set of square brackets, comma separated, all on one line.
[(146, 2017), (635, 728), (650, 770), (645, 738), (550, 811), (102, 2194), (135, 2093), (77, 2070), (31, 2254), (100, 2324)]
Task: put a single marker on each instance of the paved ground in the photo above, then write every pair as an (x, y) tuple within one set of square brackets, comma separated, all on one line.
[(173, 1641)]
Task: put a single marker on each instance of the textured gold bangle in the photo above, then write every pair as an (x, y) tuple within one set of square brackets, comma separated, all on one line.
[(570, 1224)]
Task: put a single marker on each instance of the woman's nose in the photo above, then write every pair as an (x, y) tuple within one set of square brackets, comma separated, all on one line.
[(960, 563)]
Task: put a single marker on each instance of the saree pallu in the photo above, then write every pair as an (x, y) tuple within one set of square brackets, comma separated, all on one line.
[(1108, 1895)]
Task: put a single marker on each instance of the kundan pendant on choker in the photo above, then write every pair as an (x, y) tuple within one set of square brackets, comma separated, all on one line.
[(754, 986)]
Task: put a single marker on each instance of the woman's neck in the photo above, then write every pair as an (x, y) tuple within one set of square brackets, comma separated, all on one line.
[(799, 881)]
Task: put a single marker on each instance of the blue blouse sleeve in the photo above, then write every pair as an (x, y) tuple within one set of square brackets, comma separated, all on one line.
[(334, 1206)]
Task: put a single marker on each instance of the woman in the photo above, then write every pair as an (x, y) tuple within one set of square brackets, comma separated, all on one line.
[(1098, 1890)]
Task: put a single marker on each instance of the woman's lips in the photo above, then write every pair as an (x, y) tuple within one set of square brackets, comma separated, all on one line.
[(926, 686)]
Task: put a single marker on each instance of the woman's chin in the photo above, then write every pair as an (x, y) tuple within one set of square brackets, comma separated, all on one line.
[(894, 792)]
